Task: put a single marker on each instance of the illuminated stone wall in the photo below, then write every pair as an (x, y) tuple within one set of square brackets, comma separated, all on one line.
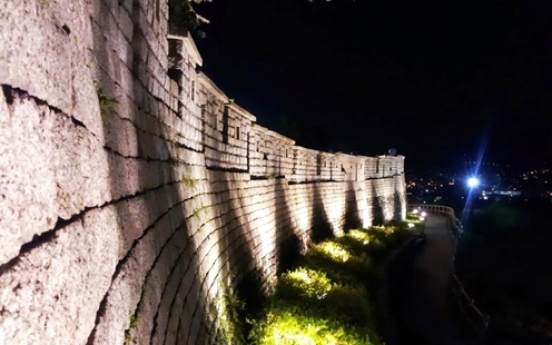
[(132, 189)]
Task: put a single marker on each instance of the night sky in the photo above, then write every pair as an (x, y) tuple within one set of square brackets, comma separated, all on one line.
[(436, 81)]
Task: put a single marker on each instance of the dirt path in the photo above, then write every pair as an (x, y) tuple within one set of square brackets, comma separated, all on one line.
[(423, 307)]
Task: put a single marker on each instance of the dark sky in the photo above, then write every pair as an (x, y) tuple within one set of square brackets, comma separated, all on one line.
[(433, 80)]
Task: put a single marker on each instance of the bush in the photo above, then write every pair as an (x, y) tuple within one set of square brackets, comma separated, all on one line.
[(292, 324), (325, 300)]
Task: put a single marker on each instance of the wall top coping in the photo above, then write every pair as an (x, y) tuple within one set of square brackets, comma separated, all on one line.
[(350, 158), (209, 84), (308, 151), (242, 112), (273, 134), (391, 157), (191, 47), (280, 136)]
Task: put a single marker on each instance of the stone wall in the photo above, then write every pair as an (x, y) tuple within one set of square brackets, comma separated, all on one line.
[(132, 189)]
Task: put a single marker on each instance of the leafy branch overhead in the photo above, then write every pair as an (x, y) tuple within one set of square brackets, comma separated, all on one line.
[(183, 17)]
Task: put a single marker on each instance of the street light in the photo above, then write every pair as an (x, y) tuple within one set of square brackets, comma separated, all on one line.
[(473, 182)]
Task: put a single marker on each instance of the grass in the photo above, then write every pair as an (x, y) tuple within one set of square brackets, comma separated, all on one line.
[(325, 298), (227, 306), (106, 104)]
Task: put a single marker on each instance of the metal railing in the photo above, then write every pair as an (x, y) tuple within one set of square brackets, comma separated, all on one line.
[(477, 319)]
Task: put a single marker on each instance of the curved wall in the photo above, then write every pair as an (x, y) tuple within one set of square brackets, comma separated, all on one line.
[(133, 191)]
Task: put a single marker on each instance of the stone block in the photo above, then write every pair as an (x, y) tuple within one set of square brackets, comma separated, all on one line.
[(51, 295)]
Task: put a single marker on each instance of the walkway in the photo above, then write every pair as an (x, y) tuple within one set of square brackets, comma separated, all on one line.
[(423, 306)]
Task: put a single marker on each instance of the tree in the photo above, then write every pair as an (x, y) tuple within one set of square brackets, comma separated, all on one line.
[(183, 17)]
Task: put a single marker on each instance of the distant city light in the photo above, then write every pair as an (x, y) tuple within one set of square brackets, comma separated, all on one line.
[(473, 182), (415, 211)]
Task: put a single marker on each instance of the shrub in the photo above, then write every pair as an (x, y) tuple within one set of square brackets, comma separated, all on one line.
[(325, 300), (289, 324), (304, 282), (333, 254)]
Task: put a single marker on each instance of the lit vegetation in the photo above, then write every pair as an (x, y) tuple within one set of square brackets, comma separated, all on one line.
[(133, 322), (325, 299), (199, 210), (414, 218), (226, 307), (106, 104), (188, 181)]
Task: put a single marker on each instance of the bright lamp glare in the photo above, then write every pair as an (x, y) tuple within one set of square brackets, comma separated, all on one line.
[(415, 211), (473, 182), (410, 225), (423, 214)]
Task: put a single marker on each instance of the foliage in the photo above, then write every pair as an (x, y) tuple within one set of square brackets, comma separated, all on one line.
[(106, 103), (127, 338), (182, 16), (199, 210), (294, 324), (325, 300), (188, 181), (338, 260), (133, 321), (226, 307), (304, 283)]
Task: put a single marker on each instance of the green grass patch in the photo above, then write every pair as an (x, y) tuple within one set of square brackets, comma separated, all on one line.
[(325, 298)]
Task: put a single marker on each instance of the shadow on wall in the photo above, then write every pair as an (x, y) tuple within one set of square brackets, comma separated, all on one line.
[(397, 205), (289, 252), (288, 241), (352, 218), (153, 282), (321, 228), (251, 255), (377, 207), (236, 245)]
